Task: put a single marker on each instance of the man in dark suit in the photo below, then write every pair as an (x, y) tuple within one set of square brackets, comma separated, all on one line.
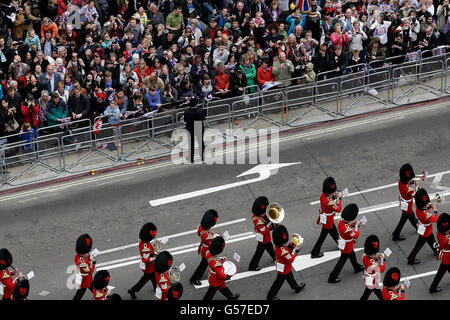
[(50, 79), (194, 117)]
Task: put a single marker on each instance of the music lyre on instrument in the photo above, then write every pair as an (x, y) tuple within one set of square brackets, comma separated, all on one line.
[(275, 213)]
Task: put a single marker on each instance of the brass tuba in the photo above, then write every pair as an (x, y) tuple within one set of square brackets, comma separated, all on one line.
[(297, 240), (174, 274), (275, 213)]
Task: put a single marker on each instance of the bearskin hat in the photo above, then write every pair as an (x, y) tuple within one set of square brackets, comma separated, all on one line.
[(392, 277), (84, 244), (209, 219), (6, 258), (329, 185), (21, 290), (350, 212), (217, 245), (148, 232), (443, 223), (421, 198), (371, 245), (260, 206), (280, 235), (101, 279), (175, 291), (163, 262), (406, 173)]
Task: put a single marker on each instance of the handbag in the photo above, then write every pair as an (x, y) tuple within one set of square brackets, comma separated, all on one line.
[(11, 125)]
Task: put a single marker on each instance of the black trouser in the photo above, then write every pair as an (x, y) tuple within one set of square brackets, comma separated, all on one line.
[(212, 291), (405, 216), (441, 271), (368, 291), (144, 279), (80, 292), (419, 244), (198, 273), (259, 252), (340, 264), (201, 146), (323, 234), (276, 286)]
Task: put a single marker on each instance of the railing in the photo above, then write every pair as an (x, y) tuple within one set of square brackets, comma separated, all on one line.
[(81, 148)]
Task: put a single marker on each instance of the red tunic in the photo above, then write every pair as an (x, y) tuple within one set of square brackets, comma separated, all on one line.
[(426, 218), (205, 240), (146, 250), (163, 282), (389, 294), (261, 227), (285, 256), (99, 294), (372, 268), (216, 276), (348, 234), (444, 247), (328, 208), (8, 283), (86, 268), (407, 194)]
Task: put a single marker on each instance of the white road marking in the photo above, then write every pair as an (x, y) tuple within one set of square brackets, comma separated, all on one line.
[(387, 205), (176, 235), (416, 276), (438, 174), (174, 251), (44, 293), (264, 171), (300, 263), (254, 145)]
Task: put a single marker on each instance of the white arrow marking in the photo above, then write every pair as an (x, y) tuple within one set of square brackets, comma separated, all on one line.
[(436, 175), (264, 171), (300, 263)]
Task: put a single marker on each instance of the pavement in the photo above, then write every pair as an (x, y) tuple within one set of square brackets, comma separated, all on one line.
[(40, 226)]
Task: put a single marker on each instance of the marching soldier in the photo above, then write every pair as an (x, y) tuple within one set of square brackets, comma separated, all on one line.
[(148, 256), (348, 233), (262, 228), (7, 282), (443, 237), (374, 265), (330, 204), (407, 188), (216, 275), (85, 265), (163, 263), (175, 291), (285, 254), (425, 227), (209, 220), (100, 283), (391, 288), (21, 290)]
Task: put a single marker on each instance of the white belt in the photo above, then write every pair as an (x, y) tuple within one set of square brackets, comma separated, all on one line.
[(330, 214), (346, 240), (406, 200), (425, 225), (84, 274)]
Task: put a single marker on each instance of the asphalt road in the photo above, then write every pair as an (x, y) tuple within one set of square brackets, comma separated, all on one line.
[(40, 227)]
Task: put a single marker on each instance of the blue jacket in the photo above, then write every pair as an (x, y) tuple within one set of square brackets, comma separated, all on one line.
[(153, 100)]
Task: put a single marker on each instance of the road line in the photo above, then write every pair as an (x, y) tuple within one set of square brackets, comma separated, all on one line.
[(386, 186), (416, 276), (176, 235), (386, 205), (170, 163), (301, 262), (242, 237)]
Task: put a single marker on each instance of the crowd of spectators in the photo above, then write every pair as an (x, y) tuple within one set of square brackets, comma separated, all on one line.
[(74, 59)]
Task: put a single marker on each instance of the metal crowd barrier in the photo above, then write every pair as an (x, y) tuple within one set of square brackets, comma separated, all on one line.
[(80, 147)]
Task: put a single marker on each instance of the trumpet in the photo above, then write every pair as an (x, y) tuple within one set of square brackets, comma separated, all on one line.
[(275, 213), (422, 176)]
